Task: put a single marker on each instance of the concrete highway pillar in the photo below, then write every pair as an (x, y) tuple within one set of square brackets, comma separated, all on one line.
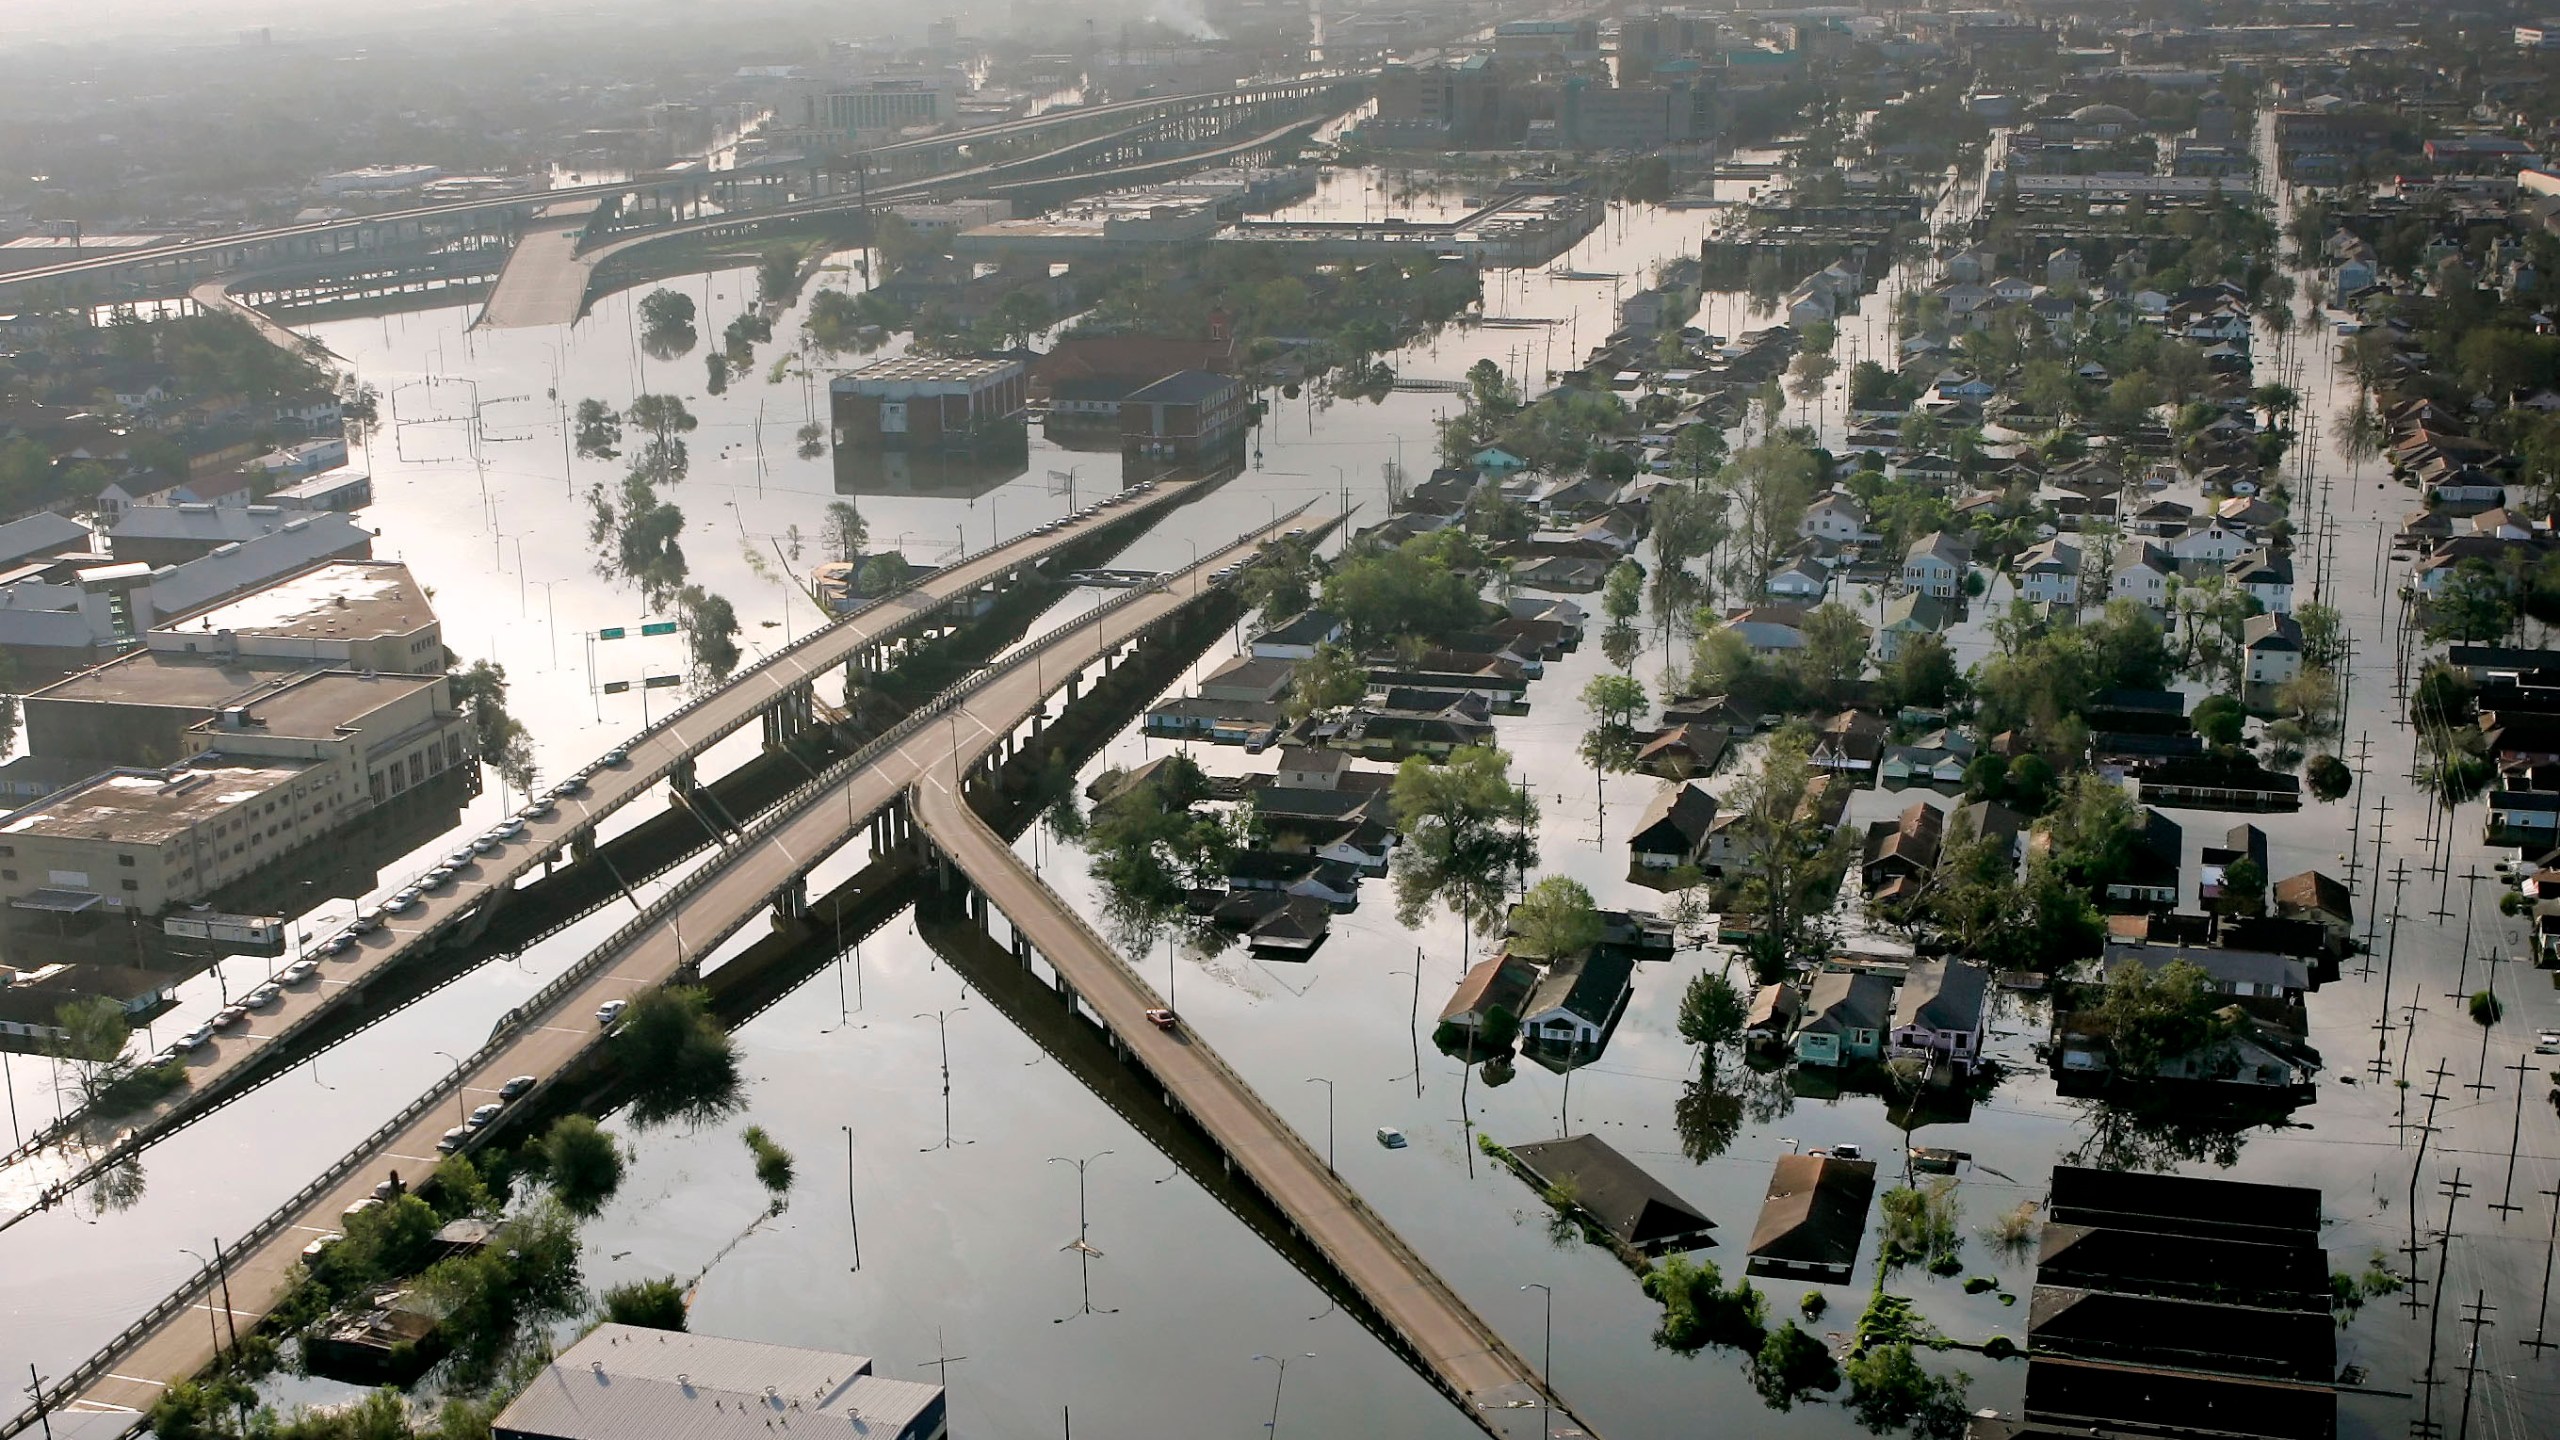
[(582, 844), (681, 777), (791, 902)]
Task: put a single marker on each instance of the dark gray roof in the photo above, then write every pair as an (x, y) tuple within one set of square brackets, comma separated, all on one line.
[(41, 534), (1944, 995), (2226, 967), (1183, 387), (1847, 1000), (1636, 1207), (1688, 810)]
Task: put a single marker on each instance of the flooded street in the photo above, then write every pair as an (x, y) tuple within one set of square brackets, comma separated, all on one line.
[(960, 1259)]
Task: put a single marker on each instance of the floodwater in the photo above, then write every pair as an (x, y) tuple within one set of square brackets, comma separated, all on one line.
[(959, 1245)]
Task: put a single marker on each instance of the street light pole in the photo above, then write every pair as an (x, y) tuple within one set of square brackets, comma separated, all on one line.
[(1085, 1252), (1546, 1365), (942, 1023), (209, 1322), (459, 1113), (1328, 1119), (1272, 1426), (852, 1211)]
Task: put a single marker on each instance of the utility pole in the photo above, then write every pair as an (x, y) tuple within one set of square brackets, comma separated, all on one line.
[(2515, 1140), (853, 1212), (2542, 1313), (2478, 1320), (942, 1024)]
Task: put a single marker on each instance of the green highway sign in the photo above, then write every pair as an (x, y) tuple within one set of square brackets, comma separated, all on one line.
[(610, 632), (616, 687), (659, 627), (662, 682)]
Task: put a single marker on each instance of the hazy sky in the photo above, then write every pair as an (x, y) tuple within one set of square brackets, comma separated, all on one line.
[(78, 20)]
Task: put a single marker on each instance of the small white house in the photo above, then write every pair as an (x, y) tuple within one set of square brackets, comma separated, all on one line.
[(2142, 573), (1835, 516), (2273, 646), (1937, 564)]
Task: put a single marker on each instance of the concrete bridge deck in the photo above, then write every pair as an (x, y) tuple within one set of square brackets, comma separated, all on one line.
[(558, 1028), (544, 282), (1461, 1354), (654, 755)]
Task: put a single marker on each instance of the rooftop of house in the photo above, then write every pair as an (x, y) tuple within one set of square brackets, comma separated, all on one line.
[(2184, 1204), (1815, 1210), (1636, 1207)]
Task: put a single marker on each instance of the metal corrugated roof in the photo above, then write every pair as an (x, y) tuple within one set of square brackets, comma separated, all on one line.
[(623, 1382)]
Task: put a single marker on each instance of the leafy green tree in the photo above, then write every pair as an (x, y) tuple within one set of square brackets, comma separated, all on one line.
[(2220, 720), (1330, 678), (2151, 1018), (1468, 831), (773, 1163), (2244, 888), (1712, 1010), (1792, 1365), (1768, 487), (649, 1304), (1610, 744), (1835, 648), (711, 634), (584, 1164), (2329, 777), (681, 1060), (1889, 1391), (845, 534), (1411, 589), (2476, 604), (1152, 845), (90, 1038), (1555, 920), (1788, 860), (664, 309), (599, 430), (778, 275), (1923, 673), (1920, 1226), (1698, 1311), (1622, 596)]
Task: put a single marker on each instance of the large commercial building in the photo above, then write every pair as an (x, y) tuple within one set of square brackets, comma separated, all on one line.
[(915, 401), (843, 112), (360, 614), (625, 1383), (142, 840)]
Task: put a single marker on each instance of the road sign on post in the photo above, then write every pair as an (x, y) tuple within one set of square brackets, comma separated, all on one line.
[(663, 682), (659, 627), (610, 632), (616, 687)]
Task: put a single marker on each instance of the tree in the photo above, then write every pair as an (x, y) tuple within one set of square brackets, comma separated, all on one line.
[(1622, 596), (584, 1164), (1791, 1365), (2329, 777), (773, 1163), (1835, 647), (1889, 1391), (1468, 831), (1152, 845), (1610, 744), (778, 275), (1920, 1222), (2154, 1018), (1411, 589), (91, 1040), (1769, 486), (845, 534), (2093, 828), (1922, 673), (1698, 1311), (711, 633), (681, 1060), (1332, 677), (1712, 1010), (2220, 720), (2244, 888), (599, 430), (649, 1304), (1786, 856), (666, 310), (1555, 920), (2475, 605)]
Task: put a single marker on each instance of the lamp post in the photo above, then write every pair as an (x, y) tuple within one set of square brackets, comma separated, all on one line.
[(1546, 1364), (1273, 1424), (1328, 1119), (942, 1023), (459, 1113), (1085, 1253), (852, 1211), (209, 1321)]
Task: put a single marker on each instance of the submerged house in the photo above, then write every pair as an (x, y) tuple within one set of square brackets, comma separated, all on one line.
[(1813, 1219), (1635, 1207)]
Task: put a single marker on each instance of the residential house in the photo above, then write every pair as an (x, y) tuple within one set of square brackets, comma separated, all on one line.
[(2272, 645), (1908, 615), (1835, 516), (2530, 818), (2142, 574), (1851, 741), (1676, 752), (1302, 768), (1937, 758), (2049, 574), (1571, 1010), (623, 1382), (1501, 982), (1775, 1011), (1673, 830), (1297, 637), (2217, 782), (1937, 1014), (2152, 865), (1639, 1210), (1813, 1219), (1902, 852), (1331, 881), (1800, 578), (1936, 564), (2268, 578), (1845, 1014), (1246, 678), (1769, 629), (2315, 897), (2242, 974), (2208, 542)]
